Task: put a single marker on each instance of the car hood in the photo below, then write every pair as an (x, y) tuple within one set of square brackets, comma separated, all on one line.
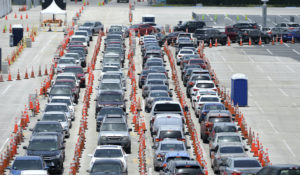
[(248, 170), (114, 133), (43, 153), (111, 103)]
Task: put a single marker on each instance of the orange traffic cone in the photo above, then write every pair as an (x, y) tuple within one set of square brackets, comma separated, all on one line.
[(228, 41), (40, 72), (216, 42), (27, 29), (281, 41), (10, 30), (30, 104), (9, 76), (21, 17), (26, 74), (5, 17), (32, 73), (276, 38), (26, 16), (46, 71), (15, 15), (146, 32), (170, 30), (18, 75), (259, 42), (210, 44), (250, 42), (241, 42), (1, 78), (139, 33), (293, 40), (16, 127), (273, 41)]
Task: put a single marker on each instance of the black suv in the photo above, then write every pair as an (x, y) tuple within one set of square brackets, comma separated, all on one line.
[(183, 167), (48, 126), (245, 25), (50, 149), (254, 34), (280, 169), (210, 34), (190, 25), (110, 98)]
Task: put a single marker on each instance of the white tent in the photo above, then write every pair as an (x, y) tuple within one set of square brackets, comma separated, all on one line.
[(53, 9)]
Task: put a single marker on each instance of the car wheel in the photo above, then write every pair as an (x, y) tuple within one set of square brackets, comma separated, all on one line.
[(128, 150), (267, 41), (156, 168)]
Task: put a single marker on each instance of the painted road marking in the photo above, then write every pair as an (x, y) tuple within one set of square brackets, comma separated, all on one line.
[(249, 57), (284, 93), (260, 68), (3, 145), (269, 78), (291, 69), (272, 126), (268, 50), (6, 89), (43, 49), (286, 44), (259, 107), (223, 58), (230, 68), (278, 59), (296, 51), (289, 148)]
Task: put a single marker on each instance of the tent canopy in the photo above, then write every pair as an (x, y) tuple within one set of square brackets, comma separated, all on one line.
[(53, 9)]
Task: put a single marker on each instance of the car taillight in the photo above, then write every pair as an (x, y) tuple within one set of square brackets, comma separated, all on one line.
[(289, 34), (195, 89), (214, 89), (198, 97), (236, 173), (181, 139), (179, 56), (158, 140), (269, 32), (191, 83), (164, 165), (200, 104)]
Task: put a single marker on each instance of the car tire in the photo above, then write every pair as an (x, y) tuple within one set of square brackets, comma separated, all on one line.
[(156, 168), (267, 41), (128, 150)]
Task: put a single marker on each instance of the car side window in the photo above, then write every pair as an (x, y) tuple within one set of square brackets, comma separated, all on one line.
[(264, 171)]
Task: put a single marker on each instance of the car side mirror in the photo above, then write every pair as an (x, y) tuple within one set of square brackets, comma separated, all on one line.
[(129, 129), (188, 147), (186, 108), (153, 147), (38, 119), (24, 147), (186, 133), (30, 129), (90, 155)]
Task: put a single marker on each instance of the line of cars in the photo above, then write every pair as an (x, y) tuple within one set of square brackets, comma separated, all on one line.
[(227, 148), (114, 140), (167, 126), (45, 152), (241, 31)]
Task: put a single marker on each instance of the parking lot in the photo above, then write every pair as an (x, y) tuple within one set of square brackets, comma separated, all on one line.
[(272, 71)]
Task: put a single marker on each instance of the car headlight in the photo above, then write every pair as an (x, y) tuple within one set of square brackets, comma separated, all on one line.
[(103, 138), (125, 138)]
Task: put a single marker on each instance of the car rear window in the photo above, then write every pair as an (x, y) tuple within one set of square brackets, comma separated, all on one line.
[(56, 108), (205, 85), (172, 147), (290, 172), (219, 129), (159, 76), (113, 127), (108, 153), (27, 165), (170, 134), (231, 149), (47, 127), (210, 99), (229, 139), (54, 117), (167, 107), (219, 119), (246, 164), (195, 170), (159, 94), (214, 107), (105, 111), (177, 158), (110, 98), (199, 61)]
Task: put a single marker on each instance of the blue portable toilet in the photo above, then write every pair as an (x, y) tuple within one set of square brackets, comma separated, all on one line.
[(239, 89)]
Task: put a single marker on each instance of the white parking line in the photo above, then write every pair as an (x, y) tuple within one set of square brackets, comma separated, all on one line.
[(230, 68), (223, 58), (284, 93), (272, 126), (3, 145), (278, 59), (268, 50), (291, 69), (269, 78), (6, 89), (259, 107), (286, 44), (289, 148), (296, 51), (249, 57)]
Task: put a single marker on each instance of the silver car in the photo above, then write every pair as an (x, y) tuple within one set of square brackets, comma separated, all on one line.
[(113, 76), (110, 85), (225, 150), (166, 146), (240, 165), (64, 62), (94, 26), (158, 76), (166, 119), (171, 132), (63, 107), (61, 118)]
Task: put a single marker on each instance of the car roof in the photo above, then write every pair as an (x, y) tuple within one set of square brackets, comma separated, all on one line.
[(213, 104), (47, 122), (171, 141), (170, 127), (109, 147), (43, 137), (224, 124), (110, 81), (217, 112), (78, 36), (243, 158), (28, 158), (227, 134), (66, 74), (186, 162), (232, 144), (204, 81), (56, 104), (61, 97), (207, 96), (54, 112), (173, 154), (108, 161), (168, 115), (167, 102)]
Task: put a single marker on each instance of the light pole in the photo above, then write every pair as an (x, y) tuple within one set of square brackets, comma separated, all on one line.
[(264, 13)]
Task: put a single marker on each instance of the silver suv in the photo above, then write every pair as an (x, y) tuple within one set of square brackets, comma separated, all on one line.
[(115, 133)]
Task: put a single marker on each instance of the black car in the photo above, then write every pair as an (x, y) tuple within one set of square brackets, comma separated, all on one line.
[(210, 35), (50, 148), (255, 35), (107, 111), (183, 167), (246, 25), (280, 169), (110, 98), (48, 126), (107, 166), (191, 26)]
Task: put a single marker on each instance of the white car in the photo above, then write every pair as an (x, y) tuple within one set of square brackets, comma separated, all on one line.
[(203, 92), (202, 85), (82, 33), (183, 52), (80, 38), (64, 99), (205, 99), (147, 37), (64, 62), (109, 152), (34, 172), (61, 117)]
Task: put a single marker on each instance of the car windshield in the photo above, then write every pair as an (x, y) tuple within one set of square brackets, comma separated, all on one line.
[(81, 33), (42, 145), (186, 52), (159, 94), (214, 107), (231, 150), (291, 171), (27, 165), (172, 147), (161, 82), (113, 127), (54, 117), (107, 168), (159, 88), (219, 119), (196, 170), (229, 139), (196, 61), (170, 134), (167, 107), (162, 99), (74, 70), (209, 99), (88, 24), (68, 83), (111, 76), (66, 61), (67, 101), (157, 76), (105, 111), (197, 77), (205, 85), (66, 77), (154, 63), (78, 39), (73, 43), (106, 69), (219, 129), (111, 98), (110, 86), (47, 127), (186, 45), (62, 108), (246, 164), (177, 158), (103, 153), (158, 68)]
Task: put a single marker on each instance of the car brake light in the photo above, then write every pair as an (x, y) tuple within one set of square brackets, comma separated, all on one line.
[(236, 173), (269, 32), (181, 139), (198, 97), (200, 104), (179, 56), (214, 89), (195, 89), (158, 140), (165, 165), (191, 83)]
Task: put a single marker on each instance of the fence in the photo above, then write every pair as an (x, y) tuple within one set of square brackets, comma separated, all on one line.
[(5, 7)]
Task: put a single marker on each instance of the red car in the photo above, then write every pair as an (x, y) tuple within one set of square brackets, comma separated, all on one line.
[(142, 28), (78, 72)]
